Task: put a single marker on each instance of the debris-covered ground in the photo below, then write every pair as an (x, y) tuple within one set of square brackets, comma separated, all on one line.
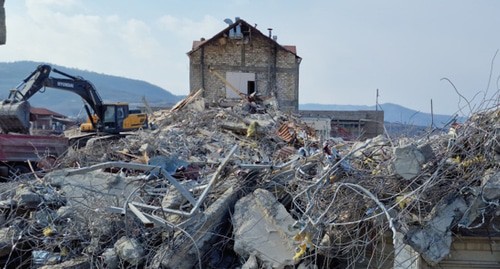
[(230, 188)]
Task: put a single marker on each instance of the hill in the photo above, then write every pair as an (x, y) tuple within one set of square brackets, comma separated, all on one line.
[(392, 113), (111, 89)]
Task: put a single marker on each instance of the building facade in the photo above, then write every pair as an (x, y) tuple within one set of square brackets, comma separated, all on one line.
[(350, 125), (239, 61)]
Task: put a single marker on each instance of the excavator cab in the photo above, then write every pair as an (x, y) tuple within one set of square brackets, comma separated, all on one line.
[(117, 118)]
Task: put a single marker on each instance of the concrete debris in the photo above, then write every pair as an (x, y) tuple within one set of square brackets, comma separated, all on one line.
[(374, 147), (307, 265), (8, 236), (173, 199), (482, 200), (433, 240), (427, 152), (76, 263), (490, 186), (249, 186), (111, 189), (251, 263), (130, 250), (65, 212), (263, 227), (26, 197), (204, 231), (408, 161), (110, 258), (41, 257)]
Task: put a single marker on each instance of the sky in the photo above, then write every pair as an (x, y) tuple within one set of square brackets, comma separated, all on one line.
[(412, 51)]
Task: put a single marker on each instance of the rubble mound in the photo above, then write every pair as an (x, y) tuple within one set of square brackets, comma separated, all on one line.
[(228, 187)]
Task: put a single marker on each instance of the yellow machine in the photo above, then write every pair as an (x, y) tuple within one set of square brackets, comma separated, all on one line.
[(117, 117)]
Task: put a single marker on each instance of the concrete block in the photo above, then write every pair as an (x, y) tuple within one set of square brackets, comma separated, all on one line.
[(251, 263), (433, 240), (262, 226), (491, 186), (203, 229), (408, 161), (26, 198), (110, 258), (7, 238), (130, 250)]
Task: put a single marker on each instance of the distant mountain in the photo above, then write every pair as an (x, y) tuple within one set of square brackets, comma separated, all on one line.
[(392, 113), (110, 88)]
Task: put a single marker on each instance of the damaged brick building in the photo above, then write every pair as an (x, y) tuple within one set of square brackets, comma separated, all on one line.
[(248, 60)]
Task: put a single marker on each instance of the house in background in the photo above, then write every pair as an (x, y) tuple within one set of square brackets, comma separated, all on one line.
[(242, 57), (45, 121)]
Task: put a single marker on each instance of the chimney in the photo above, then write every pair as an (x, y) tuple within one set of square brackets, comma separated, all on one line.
[(270, 32)]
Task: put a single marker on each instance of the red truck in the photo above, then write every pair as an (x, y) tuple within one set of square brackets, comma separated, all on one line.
[(17, 149)]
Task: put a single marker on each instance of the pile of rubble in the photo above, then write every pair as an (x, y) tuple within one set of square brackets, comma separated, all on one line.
[(242, 187)]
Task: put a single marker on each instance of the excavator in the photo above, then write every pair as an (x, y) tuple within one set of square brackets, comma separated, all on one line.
[(109, 118)]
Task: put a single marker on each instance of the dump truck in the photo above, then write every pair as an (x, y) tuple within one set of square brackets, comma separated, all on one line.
[(20, 151)]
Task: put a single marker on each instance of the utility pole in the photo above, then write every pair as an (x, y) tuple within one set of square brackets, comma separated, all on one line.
[(3, 28), (432, 115)]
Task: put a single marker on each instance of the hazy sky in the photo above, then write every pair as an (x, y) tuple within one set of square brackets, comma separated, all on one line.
[(349, 48)]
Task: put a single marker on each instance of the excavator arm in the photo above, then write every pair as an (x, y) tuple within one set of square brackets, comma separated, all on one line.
[(14, 111)]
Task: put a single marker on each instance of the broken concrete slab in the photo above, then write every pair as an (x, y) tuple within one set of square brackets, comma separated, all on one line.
[(44, 217), (130, 250), (491, 185), (408, 161), (433, 240), (42, 257), (251, 263), (475, 209), (263, 227), (65, 212), (427, 151), (94, 189), (8, 236), (307, 265), (480, 198), (110, 258), (76, 263), (203, 228), (373, 147), (173, 199), (26, 197), (404, 255)]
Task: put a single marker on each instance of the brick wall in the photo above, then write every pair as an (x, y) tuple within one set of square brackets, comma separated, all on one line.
[(276, 69)]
